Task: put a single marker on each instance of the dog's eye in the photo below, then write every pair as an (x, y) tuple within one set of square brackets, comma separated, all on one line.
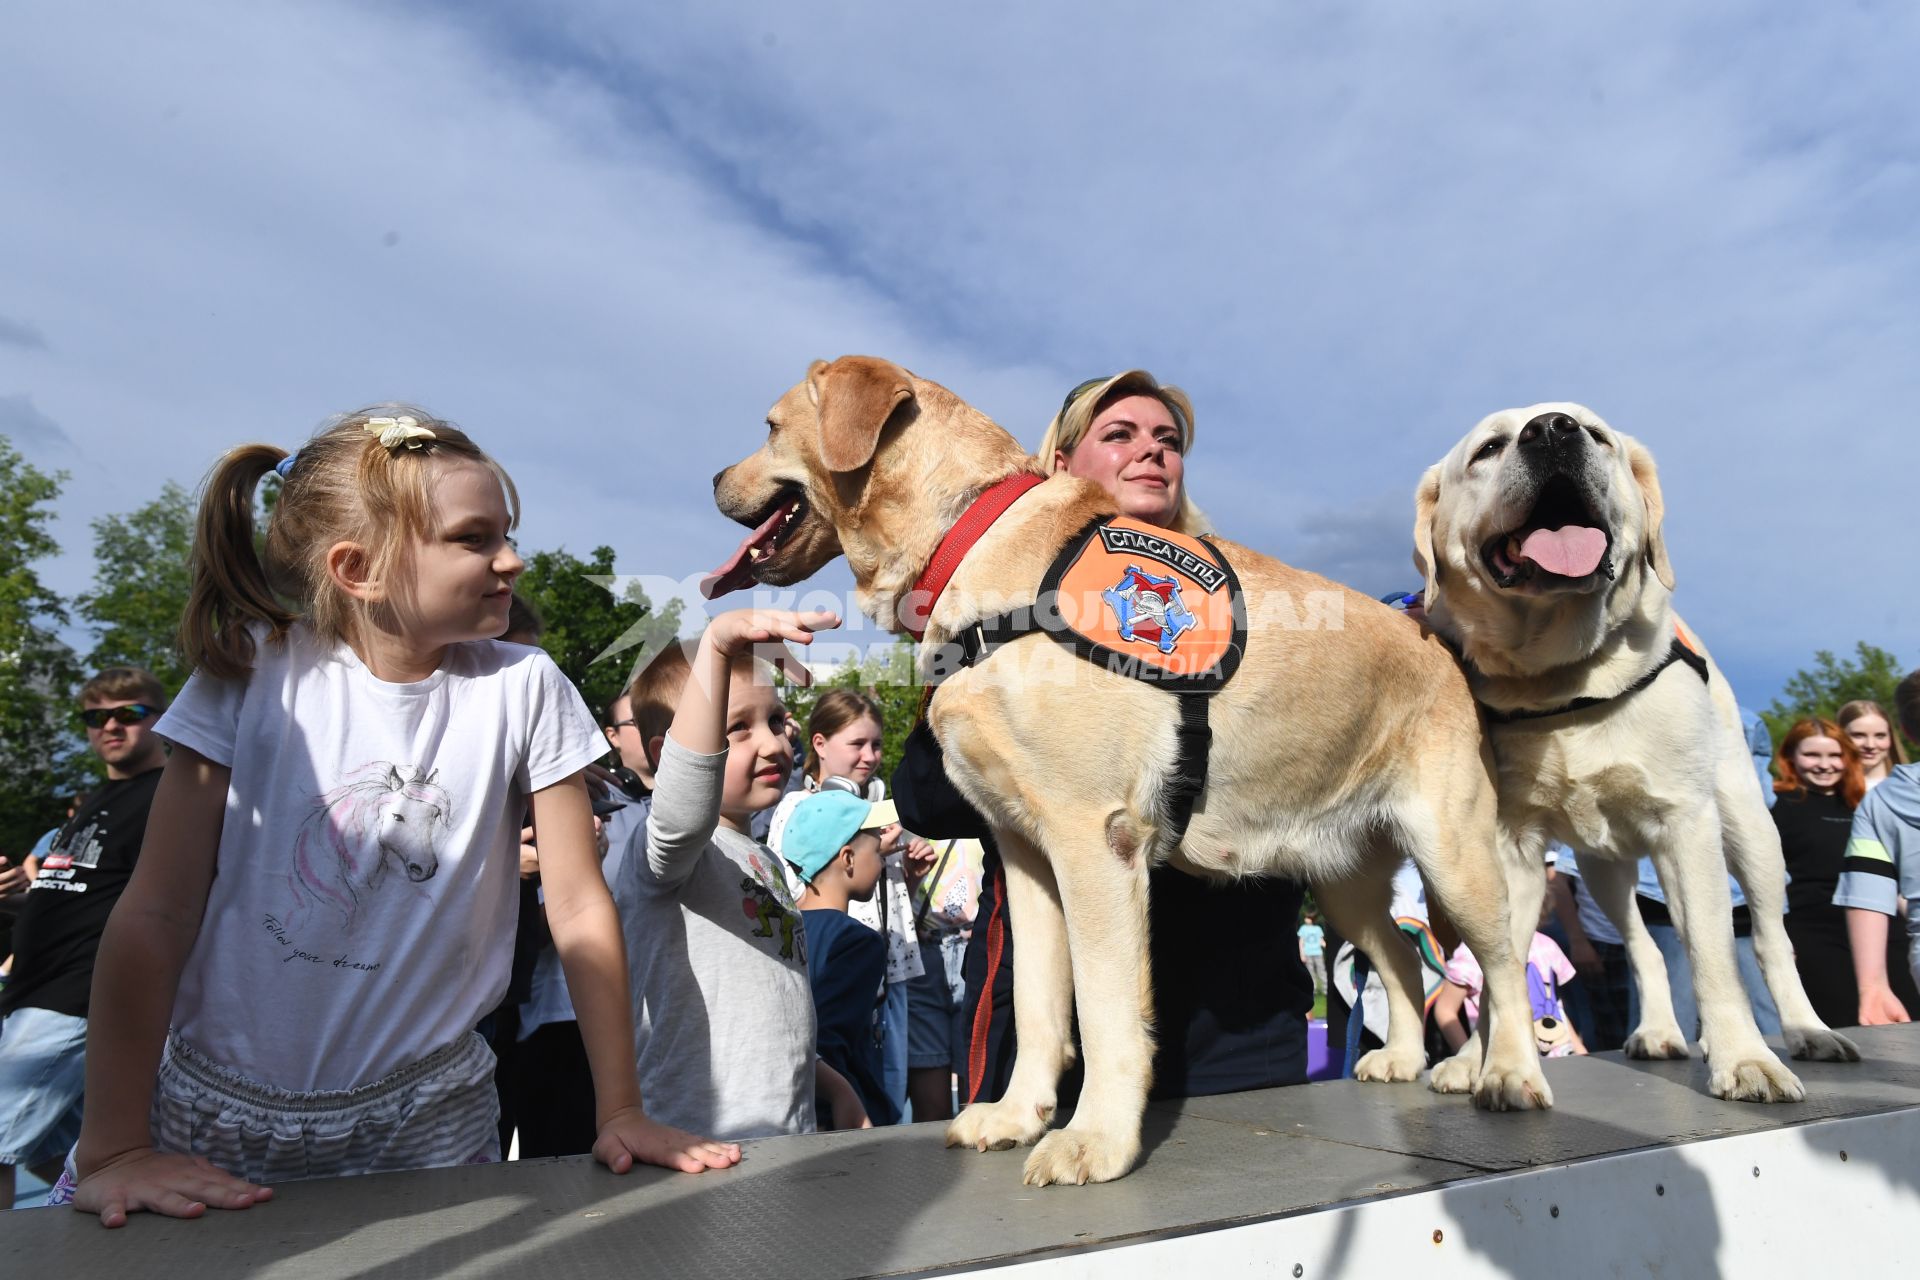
[(772, 426), (1599, 437), (1490, 448)]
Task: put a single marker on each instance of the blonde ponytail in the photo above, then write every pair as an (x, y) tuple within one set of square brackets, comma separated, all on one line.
[(231, 588)]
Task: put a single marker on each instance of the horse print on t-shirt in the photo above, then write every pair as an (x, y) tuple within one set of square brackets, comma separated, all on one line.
[(375, 826)]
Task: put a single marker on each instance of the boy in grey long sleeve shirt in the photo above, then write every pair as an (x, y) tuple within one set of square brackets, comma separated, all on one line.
[(724, 1015)]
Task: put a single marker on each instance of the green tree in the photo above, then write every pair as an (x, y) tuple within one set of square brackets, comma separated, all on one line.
[(41, 761), (1832, 682), (599, 625), (889, 678), (142, 573)]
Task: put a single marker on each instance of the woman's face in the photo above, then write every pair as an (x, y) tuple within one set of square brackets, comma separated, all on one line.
[(1819, 762), (853, 753), (1872, 739), (1132, 450)]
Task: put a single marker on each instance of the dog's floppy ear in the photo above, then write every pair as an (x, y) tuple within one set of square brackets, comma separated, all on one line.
[(853, 397), (1425, 499), (1647, 476)]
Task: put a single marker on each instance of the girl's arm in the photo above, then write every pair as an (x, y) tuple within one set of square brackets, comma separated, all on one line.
[(842, 1099), (586, 933), (135, 978), (1448, 1007), (1867, 935)]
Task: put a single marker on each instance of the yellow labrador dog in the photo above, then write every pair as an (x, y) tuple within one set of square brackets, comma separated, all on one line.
[(1334, 752), (1540, 539)]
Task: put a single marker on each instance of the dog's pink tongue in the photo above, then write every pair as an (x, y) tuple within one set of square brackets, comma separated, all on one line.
[(1572, 552), (736, 571)]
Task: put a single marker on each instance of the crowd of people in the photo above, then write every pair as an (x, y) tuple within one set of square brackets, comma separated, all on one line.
[(367, 894)]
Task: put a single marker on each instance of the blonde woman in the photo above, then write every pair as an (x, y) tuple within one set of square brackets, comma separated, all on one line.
[(1871, 730)]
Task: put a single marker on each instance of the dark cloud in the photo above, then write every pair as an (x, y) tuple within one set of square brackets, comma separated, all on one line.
[(19, 333), (29, 427)]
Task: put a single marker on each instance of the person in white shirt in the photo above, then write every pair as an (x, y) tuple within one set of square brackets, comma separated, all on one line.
[(324, 906)]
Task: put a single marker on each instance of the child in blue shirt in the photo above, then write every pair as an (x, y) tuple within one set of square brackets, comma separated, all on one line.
[(832, 840)]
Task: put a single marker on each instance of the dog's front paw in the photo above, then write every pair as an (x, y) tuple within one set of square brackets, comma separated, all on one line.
[(1079, 1156), (1758, 1078), (1455, 1075), (1821, 1045), (996, 1126), (1516, 1088), (1384, 1066), (1657, 1042)]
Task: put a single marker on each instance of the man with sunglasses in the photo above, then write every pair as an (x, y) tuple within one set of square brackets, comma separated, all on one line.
[(43, 1010)]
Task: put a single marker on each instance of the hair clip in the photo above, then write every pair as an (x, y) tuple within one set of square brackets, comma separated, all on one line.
[(284, 467), (395, 432)]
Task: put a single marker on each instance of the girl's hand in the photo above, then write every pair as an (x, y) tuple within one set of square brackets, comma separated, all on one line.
[(743, 630), (174, 1185), (1879, 1007), (628, 1135)]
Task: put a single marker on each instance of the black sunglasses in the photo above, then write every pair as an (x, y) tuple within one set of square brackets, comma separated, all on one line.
[(132, 713), (1081, 390)]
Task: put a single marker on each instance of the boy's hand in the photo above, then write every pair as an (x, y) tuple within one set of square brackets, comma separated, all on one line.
[(177, 1186), (742, 630), (628, 1135), (13, 879)]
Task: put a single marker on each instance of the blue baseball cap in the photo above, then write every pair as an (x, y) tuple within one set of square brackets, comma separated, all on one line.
[(825, 823)]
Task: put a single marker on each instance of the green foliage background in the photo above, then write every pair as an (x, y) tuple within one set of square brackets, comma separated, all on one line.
[(1830, 683)]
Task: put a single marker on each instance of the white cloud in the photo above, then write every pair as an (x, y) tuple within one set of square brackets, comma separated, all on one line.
[(606, 243)]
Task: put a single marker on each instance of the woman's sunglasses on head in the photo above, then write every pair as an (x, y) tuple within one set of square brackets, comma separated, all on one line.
[(132, 713)]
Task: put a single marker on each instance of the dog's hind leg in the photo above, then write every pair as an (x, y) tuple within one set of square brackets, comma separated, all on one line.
[(1611, 881), (1741, 1068), (1042, 1008), (1754, 857), (1359, 908), (1103, 888)]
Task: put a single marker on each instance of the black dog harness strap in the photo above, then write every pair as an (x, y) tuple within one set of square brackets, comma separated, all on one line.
[(1679, 651), (1101, 599)]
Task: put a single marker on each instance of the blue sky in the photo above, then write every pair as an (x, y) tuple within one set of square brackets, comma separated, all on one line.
[(606, 237)]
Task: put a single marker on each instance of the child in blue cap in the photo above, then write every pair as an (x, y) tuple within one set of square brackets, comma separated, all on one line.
[(832, 841)]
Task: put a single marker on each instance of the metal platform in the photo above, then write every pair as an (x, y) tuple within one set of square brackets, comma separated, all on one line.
[(1637, 1171)]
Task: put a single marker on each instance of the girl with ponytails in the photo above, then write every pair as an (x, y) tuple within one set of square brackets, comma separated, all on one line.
[(324, 906)]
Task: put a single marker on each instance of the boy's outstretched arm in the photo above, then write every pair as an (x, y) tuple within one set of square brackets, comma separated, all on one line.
[(700, 721), (686, 806), (586, 933)]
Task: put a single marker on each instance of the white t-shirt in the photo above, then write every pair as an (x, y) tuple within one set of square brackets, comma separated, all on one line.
[(362, 912)]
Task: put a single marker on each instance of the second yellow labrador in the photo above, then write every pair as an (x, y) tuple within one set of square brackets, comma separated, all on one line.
[(1540, 535), (1337, 749)]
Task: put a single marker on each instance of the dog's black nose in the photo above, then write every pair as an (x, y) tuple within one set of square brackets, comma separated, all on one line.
[(1549, 431), (720, 475)]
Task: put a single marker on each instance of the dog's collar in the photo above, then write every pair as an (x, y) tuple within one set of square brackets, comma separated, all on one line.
[(1681, 650), (959, 540)]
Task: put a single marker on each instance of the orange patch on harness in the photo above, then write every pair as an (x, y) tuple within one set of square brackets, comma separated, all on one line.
[(1161, 603)]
